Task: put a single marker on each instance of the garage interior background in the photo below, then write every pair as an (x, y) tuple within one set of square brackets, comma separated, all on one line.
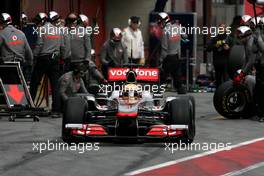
[(110, 13)]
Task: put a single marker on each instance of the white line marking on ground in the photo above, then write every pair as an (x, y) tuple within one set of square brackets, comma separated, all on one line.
[(139, 171), (239, 172)]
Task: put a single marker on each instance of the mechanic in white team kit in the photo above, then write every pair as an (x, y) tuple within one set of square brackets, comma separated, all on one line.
[(133, 40)]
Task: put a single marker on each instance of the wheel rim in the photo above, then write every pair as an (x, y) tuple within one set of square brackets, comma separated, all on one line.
[(236, 102)]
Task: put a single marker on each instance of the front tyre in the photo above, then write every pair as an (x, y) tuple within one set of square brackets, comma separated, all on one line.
[(182, 112), (73, 113)]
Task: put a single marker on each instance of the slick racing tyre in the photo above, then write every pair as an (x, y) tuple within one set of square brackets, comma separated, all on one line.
[(182, 112), (236, 59), (74, 112), (233, 101)]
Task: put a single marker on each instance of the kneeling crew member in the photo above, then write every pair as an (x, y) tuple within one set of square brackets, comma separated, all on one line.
[(71, 83)]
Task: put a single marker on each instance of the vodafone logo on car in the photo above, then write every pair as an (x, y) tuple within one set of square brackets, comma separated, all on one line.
[(143, 74)]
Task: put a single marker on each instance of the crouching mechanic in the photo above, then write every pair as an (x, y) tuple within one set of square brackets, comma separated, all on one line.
[(254, 49), (92, 77), (71, 83)]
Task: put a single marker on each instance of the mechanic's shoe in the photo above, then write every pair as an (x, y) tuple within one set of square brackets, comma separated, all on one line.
[(55, 115), (261, 119)]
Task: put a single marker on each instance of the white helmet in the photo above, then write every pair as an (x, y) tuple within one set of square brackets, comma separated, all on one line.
[(245, 19), (24, 16), (244, 31), (163, 17), (5, 18), (83, 19), (53, 16), (253, 20), (40, 18), (116, 34)]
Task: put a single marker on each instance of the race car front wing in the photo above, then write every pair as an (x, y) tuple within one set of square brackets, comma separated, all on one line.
[(96, 131)]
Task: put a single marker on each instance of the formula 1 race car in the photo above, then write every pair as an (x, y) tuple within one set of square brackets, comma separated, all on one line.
[(130, 114)]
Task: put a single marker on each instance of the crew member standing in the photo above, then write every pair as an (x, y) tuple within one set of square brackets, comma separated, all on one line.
[(93, 76), (133, 40), (254, 48), (47, 53), (13, 43), (170, 50), (113, 52), (79, 40), (220, 46)]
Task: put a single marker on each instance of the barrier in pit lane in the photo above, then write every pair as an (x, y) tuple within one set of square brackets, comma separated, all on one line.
[(15, 99)]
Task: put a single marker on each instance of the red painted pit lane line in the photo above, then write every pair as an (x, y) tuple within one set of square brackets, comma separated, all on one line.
[(210, 163)]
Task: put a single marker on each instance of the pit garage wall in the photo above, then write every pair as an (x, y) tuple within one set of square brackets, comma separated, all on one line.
[(108, 13)]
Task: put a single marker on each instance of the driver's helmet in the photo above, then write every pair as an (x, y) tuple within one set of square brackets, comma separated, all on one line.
[(131, 77), (131, 93), (130, 90)]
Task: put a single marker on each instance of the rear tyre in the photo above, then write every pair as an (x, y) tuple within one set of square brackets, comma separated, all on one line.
[(74, 113), (182, 112), (234, 101)]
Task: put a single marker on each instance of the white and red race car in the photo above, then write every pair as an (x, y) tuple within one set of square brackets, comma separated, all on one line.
[(135, 109)]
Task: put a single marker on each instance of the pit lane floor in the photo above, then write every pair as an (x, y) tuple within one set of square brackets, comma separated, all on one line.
[(19, 157)]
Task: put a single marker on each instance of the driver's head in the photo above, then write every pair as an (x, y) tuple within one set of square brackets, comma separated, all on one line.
[(131, 91), (131, 77)]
